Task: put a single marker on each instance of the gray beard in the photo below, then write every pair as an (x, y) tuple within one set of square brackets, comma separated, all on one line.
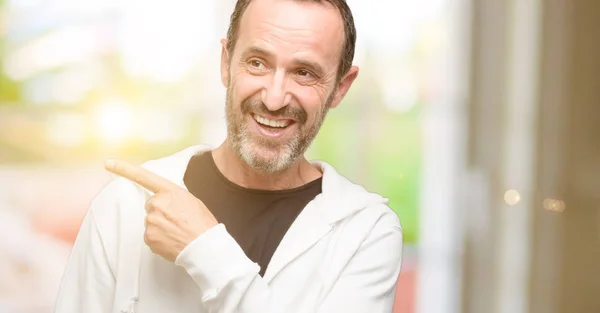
[(245, 146)]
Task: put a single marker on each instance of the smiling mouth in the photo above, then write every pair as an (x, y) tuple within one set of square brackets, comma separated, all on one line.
[(272, 124)]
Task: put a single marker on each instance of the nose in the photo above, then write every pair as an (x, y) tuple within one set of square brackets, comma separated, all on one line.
[(275, 95)]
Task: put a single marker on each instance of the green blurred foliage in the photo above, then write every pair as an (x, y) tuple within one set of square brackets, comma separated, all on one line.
[(385, 158), (9, 90)]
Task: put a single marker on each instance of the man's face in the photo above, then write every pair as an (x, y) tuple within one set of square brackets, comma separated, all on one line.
[(281, 80)]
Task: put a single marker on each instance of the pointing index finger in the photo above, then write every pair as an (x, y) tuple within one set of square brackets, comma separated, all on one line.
[(139, 175)]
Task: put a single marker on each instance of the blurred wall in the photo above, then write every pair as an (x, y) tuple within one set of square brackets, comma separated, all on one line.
[(532, 237), (579, 288)]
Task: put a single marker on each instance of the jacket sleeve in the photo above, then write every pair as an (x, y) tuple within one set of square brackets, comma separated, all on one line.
[(230, 282), (88, 282), (368, 283)]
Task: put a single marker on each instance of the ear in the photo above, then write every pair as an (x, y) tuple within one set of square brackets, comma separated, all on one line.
[(344, 86), (224, 63)]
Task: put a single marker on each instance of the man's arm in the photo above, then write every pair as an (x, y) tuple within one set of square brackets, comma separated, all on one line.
[(230, 281), (368, 283), (88, 282)]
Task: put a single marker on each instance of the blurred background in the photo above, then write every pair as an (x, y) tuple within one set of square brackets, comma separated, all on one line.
[(478, 119)]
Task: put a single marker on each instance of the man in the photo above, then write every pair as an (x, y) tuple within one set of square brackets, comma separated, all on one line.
[(250, 226)]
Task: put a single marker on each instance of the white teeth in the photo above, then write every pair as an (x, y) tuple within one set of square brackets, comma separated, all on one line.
[(271, 123)]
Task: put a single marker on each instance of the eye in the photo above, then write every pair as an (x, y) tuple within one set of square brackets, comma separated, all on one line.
[(304, 73), (305, 77), (256, 66), (255, 63)]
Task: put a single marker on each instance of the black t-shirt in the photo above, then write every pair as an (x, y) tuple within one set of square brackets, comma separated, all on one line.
[(256, 219)]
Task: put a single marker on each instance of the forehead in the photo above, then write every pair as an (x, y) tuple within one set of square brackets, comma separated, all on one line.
[(296, 26)]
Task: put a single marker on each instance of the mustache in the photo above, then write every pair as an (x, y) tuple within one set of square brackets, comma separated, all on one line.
[(287, 112)]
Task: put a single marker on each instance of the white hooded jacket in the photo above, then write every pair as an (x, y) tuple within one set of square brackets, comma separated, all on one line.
[(342, 254)]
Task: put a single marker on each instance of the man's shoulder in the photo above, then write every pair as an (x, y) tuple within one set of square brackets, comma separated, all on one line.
[(118, 201), (378, 218), (353, 200)]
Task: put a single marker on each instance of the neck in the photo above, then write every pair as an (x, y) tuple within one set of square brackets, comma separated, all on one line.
[(240, 173)]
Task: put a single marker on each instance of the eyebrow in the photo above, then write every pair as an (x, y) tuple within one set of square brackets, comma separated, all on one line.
[(256, 50)]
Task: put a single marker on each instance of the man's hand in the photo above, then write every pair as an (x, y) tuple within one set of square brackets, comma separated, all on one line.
[(174, 216)]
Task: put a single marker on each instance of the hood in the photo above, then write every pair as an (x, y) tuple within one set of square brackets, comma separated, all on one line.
[(341, 197)]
